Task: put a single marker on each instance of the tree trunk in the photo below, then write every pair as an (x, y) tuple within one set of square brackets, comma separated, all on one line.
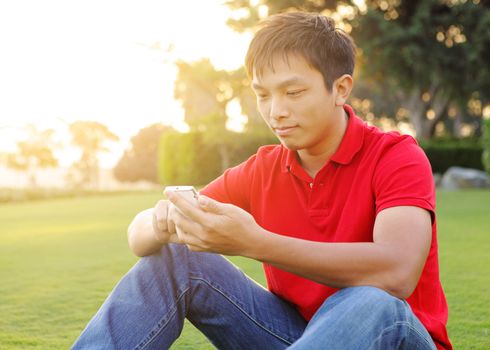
[(417, 110), (32, 179), (458, 121), (225, 157), (425, 128)]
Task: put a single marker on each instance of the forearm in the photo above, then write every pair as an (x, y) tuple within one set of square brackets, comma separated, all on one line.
[(337, 265), (393, 261), (141, 238)]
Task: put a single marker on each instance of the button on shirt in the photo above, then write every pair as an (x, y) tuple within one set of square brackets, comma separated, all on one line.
[(370, 171)]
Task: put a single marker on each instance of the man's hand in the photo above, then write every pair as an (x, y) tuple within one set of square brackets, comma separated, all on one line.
[(163, 226), (150, 229), (213, 226)]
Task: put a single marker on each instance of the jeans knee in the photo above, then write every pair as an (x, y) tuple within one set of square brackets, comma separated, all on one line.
[(372, 294), (361, 317), (367, 303), (374, 303), (169, 255)]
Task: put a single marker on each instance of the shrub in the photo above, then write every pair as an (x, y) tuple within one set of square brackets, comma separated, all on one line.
[(445, 153), (485, 142), (187, 159)]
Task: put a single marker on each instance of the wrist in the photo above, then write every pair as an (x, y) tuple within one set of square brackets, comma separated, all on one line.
[(258, 246)]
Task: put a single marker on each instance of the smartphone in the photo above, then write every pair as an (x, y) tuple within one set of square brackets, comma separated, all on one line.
[(188, 192)]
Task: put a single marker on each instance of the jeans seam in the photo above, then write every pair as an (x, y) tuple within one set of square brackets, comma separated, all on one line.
[(144, 344), (413, 329), (401, 323), (242, 310)]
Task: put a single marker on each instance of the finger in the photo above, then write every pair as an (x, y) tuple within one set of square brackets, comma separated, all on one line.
[(187, 208), (195, 248), (174, 238), (211, 206), (170, 221), (161, 209), (171, 226), (184, 223), (186, 238), (159, 234)]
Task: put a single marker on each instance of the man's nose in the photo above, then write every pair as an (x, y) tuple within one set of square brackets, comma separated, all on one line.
[(278, 109)]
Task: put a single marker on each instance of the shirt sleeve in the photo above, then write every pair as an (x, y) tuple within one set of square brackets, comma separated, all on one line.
[(234, 186), (403, 177)]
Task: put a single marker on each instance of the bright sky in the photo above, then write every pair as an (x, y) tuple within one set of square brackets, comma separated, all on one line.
[(104, 60)]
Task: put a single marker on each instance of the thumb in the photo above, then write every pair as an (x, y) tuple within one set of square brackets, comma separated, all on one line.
[(210, 205)]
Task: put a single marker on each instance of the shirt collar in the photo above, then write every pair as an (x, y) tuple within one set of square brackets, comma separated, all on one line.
[(349, 146), (352, 140)]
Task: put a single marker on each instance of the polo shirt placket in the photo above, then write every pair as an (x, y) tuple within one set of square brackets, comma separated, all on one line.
[(321, 190)]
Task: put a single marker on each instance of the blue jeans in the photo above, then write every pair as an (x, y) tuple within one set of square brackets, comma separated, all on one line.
[(147, 308)]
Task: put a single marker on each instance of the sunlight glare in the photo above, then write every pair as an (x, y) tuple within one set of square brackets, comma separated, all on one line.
[(108, 61), (237, 119)]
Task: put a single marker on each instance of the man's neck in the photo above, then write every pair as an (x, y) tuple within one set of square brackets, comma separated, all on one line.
[(312, 162)]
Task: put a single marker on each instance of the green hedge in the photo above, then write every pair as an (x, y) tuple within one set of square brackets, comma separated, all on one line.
[(445, 153), (193, 159), (485, 142), (184, 159)]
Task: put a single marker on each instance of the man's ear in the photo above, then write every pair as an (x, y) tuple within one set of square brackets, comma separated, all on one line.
[(342, 86)]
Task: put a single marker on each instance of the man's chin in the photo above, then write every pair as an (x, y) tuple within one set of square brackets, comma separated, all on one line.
[(289, 145)]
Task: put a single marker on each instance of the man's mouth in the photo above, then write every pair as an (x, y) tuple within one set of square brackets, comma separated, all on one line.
[(284, 130)]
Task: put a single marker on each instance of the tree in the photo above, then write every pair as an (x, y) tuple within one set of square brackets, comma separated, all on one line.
[(433, 51), (431, 54), (253, 14), (140, 161), (204, 93), (240, 85), (90, 137), (203, 90), (35, 152), (210, 147)]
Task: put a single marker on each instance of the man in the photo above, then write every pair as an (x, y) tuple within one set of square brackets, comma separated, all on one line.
[(341, 214)]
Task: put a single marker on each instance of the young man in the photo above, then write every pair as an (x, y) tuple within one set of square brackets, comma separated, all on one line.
[(341, 214)]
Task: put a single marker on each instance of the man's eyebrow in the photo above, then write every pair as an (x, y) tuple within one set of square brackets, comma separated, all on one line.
[(284, 83)]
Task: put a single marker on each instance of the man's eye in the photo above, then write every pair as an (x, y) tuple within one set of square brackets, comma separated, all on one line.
[(295, 92), (262, 96)]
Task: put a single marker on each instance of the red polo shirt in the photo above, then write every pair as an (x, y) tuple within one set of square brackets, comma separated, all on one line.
[(370, 171)]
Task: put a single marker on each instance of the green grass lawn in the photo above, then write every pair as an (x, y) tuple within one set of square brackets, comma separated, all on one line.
[(60, 258)]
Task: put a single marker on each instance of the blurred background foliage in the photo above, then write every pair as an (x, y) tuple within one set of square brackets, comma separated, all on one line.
[(486, 145), (423, 68)]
